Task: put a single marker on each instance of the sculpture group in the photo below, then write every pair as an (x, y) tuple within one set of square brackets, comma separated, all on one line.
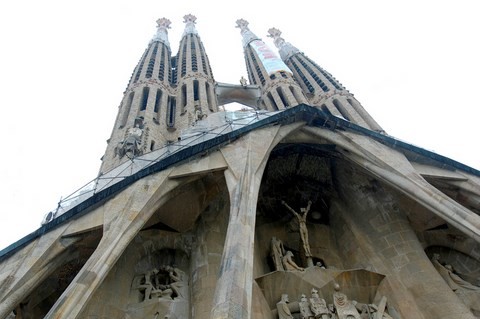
[(165, 283), (341, 308)]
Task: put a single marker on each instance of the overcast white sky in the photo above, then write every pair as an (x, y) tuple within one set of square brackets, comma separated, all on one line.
[(414, 65)]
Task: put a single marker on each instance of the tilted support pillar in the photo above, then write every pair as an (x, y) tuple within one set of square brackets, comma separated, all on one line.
[(125, 216), (247, 159)]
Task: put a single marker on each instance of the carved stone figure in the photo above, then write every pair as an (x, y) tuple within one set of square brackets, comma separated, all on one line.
[(179, 282), (243, 81), (283, 309), (146, 284), (318, 306), (288, 262), (131, 144), (468, 293), (302, 224), (277, 252), (305, 308), (344, 307), (199, 115)]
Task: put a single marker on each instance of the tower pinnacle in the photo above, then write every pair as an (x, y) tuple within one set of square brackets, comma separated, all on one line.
[(285, 49), (163, 25), (189, 21), (247, 35)]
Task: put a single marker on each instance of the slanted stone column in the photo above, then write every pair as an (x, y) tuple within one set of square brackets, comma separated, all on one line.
[(125, 215), (27, 272), (246, 158)]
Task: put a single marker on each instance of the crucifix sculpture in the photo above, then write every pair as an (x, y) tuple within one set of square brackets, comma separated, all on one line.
[(302, 224)]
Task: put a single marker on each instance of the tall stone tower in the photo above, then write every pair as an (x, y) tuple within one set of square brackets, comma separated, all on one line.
[(165, 95), (299, 206)]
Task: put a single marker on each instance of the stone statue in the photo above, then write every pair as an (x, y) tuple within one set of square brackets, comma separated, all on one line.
[(199, 115), (288, 262), (131, 144), (318, 306), (344, 307), (277, 252), (283, 309), (179, 282), (468, 293), (147, 283), (302, 224), (305, 308), (243, 81)]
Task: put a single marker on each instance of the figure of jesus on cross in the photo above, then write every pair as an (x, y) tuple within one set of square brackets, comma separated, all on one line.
[(302, 225)]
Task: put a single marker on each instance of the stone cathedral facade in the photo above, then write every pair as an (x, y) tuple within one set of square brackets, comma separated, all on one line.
[(299, 205)]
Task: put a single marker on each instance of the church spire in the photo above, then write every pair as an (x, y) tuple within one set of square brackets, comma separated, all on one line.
[(163, 25), (193, 76), (142, 121), (320, 87), (285, 49), (247, 35), (190, 21), (266, 69)]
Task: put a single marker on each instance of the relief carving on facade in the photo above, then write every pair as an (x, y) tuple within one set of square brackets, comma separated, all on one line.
[(131, 144), (341, 308), (466, 291), (166, 283)]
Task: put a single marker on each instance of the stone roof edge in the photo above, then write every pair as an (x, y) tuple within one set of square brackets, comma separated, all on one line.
[(301, 112)]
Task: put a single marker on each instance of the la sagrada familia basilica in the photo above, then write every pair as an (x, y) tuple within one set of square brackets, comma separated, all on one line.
[(297, 205)]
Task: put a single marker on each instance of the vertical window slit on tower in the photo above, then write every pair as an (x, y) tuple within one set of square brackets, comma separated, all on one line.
[(126, 111), (143, 105), (193, 52), (327, 75), (161, 69), (314, 75), (196, 93), (151, 62), (184, 96), (282, 97), (171, 111), (305, 81), (272, 101), (158, 99)]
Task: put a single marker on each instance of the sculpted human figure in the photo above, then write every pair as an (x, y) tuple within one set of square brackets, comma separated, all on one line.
[(179, 283), (283, 309), (302, 224), (277, 253), (199, 115), (131, 144), (468, 293), (318, 306), (243, 81), (147, 284), (344, 307), (305, 308), (288, 262)]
